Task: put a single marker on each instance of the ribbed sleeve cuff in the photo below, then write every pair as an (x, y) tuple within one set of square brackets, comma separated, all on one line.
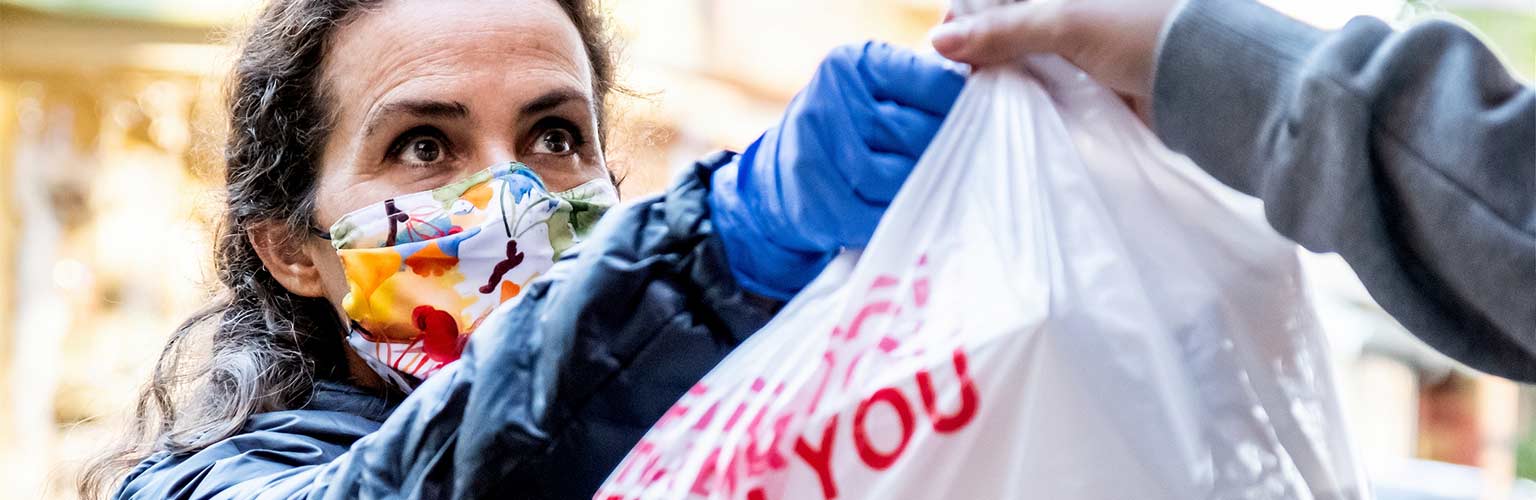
[(1225, 69)]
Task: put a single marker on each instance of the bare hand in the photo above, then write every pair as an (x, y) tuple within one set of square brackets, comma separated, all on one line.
[(1115, 41)]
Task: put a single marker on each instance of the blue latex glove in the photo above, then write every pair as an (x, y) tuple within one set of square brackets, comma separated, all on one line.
[(820, 180)]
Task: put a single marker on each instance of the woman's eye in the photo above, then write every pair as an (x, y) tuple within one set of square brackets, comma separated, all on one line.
[(555, 141), (422, 150), (420, 146)]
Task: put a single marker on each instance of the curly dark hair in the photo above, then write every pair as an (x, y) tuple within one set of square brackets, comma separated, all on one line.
[(258, 347)]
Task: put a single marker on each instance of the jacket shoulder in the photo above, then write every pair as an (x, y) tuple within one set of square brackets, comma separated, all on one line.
[(270, 444)]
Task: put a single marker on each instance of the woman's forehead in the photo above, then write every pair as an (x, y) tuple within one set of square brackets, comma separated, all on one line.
[(429, 44)]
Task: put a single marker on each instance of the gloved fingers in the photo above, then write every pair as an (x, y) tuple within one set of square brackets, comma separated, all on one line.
[(877, 181), (899, 129), (789, 186), (896, 74), (757, 259)]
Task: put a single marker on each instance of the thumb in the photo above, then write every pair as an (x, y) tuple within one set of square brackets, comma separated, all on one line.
[(999, 34)]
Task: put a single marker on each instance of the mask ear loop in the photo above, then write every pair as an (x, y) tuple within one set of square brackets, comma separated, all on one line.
[(357, 341)]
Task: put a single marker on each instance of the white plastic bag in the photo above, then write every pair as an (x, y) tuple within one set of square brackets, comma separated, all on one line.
[(1054, 307)]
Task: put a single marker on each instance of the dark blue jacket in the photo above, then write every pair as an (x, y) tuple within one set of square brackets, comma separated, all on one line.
[(549, 396)]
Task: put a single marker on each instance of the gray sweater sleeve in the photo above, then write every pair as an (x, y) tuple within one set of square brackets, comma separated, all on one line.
[(1412, 154)]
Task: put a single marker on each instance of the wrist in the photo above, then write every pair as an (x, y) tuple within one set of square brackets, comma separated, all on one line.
[(759, 263)]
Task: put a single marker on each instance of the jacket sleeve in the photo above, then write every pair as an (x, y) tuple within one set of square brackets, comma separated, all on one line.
[(1409, 153), (551, 393)]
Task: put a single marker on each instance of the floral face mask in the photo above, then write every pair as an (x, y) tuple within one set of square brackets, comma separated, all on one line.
[(424, 269)]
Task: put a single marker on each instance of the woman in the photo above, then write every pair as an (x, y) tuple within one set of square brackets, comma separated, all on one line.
[(398, 168)]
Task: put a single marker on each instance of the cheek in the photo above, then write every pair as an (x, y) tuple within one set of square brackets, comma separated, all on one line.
[(333, 279), (599, 156), (328, 206), (597, 167), (342, 193)]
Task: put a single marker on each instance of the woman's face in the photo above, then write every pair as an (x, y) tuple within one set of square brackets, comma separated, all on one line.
[(427, 92)]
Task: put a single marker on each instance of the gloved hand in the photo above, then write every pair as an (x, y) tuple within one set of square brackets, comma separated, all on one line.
[(820, 180)]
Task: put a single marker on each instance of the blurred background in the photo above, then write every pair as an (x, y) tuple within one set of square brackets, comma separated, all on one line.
[(111, 123)]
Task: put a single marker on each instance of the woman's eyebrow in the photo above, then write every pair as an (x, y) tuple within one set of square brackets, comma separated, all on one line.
[(420, 109), (552, 99)]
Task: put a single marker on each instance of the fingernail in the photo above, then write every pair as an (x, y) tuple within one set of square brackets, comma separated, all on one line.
[(950, 37)]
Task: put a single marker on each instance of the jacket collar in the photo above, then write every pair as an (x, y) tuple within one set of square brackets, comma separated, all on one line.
[(340, 397)]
